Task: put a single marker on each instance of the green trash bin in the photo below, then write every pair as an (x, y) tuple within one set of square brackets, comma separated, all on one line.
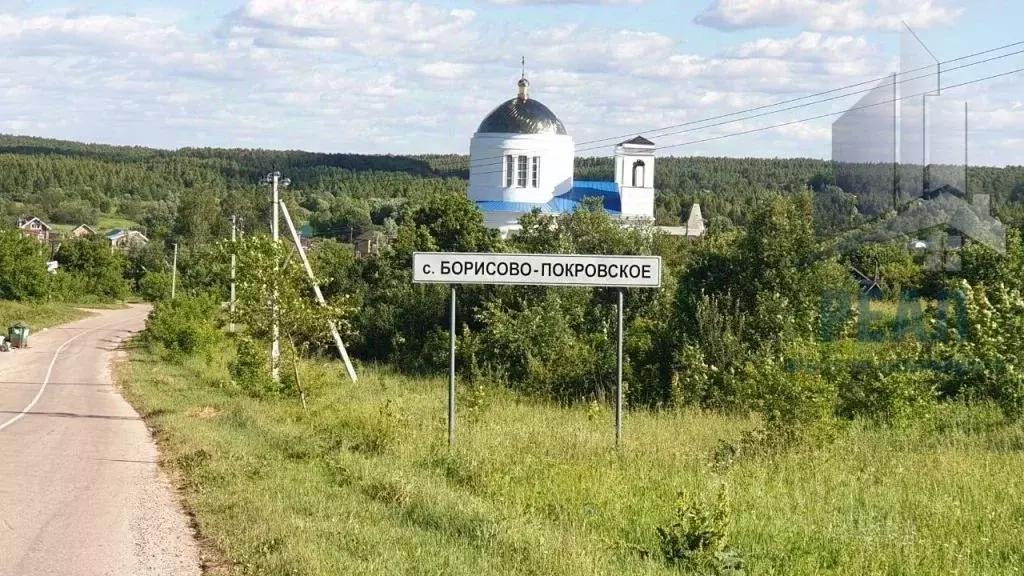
[(18, 335)]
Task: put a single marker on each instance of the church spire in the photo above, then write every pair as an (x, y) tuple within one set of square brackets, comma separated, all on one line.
[(524, 84)]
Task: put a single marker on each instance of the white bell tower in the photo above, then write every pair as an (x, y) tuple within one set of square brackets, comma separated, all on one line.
[(634, 173)]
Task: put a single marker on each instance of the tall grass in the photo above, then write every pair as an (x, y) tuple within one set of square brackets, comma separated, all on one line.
[(37, 315), (362, 482)]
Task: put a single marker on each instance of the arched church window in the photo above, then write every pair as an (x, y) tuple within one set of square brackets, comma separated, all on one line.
[(535, 172), (638, 174), (510, 168), (521, 172)]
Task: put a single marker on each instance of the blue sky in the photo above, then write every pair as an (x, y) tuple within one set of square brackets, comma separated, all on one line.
[(381, 76)]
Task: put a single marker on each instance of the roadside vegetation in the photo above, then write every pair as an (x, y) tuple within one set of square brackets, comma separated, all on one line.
[(90, 275), (362, 482), (779, 422), (38, 315), (781, 418)]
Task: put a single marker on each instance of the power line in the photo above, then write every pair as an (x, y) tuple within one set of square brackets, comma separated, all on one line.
[(791, 108), (811, 118), (798, 99), (497, 160), (826, 115), (590, 145)]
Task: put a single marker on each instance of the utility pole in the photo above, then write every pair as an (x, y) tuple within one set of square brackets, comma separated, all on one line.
[(174, 271), (234, 258), (275, 181), (895, 139), (316, 290)]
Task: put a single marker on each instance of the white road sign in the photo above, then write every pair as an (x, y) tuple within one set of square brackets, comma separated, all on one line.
[(537, 269)]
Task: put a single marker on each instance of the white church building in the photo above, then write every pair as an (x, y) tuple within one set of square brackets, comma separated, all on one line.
[(522, 159)]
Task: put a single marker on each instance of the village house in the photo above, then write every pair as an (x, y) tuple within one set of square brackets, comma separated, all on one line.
[(36, 228), (369, 242), (83, 231), (125, 239)]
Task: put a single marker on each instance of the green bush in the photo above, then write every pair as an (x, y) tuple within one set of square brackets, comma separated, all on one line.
[(985, 357), (692, 379), (186, 325), (155, 286), (697, 540), (797, 406), (540, 353), (250, 369), (99, 271), (891, 387), (67, 287), (22, 266), (718, 334)]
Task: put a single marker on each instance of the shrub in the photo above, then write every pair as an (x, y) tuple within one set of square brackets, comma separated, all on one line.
[(69, 287), (797, 405), (987, 362), (691, 380), (250, 369), (892, 386), (100, 271), (698, 538), (155, 286), (22, 266), (539, 350), (185, 325)]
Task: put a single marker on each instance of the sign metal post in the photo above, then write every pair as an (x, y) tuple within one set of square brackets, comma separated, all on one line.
[(618, 381), (451, 374), (581, 270)]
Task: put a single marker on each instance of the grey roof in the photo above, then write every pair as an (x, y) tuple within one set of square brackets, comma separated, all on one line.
[(22, 222), (640, 140), (521, 116)]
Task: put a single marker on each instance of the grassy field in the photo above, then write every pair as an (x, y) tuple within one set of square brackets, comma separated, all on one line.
[(362, 483), (37, 315), (105, 224)]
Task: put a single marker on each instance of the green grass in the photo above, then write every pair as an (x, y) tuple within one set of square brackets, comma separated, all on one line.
[(362, 483), (37, 314), (62, 227), (107, 223)]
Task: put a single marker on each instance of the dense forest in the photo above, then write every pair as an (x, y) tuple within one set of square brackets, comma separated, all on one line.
[(70, 183)]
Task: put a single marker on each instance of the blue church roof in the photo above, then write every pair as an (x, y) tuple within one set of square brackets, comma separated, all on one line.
[(608, 192)]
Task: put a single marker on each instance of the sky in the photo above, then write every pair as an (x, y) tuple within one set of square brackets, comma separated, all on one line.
[(392, 76)]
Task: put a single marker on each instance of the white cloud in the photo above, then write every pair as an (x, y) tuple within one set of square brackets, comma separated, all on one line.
[(561, 2), (368, 27), (67, 32), (814, 132), (827, 15), (444, 70), (809, 46), (308, 75)]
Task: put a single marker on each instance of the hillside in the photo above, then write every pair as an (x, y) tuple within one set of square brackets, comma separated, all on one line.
[(71, 183)]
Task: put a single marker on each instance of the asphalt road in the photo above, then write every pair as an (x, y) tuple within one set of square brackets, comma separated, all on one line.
[(80, 492)]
